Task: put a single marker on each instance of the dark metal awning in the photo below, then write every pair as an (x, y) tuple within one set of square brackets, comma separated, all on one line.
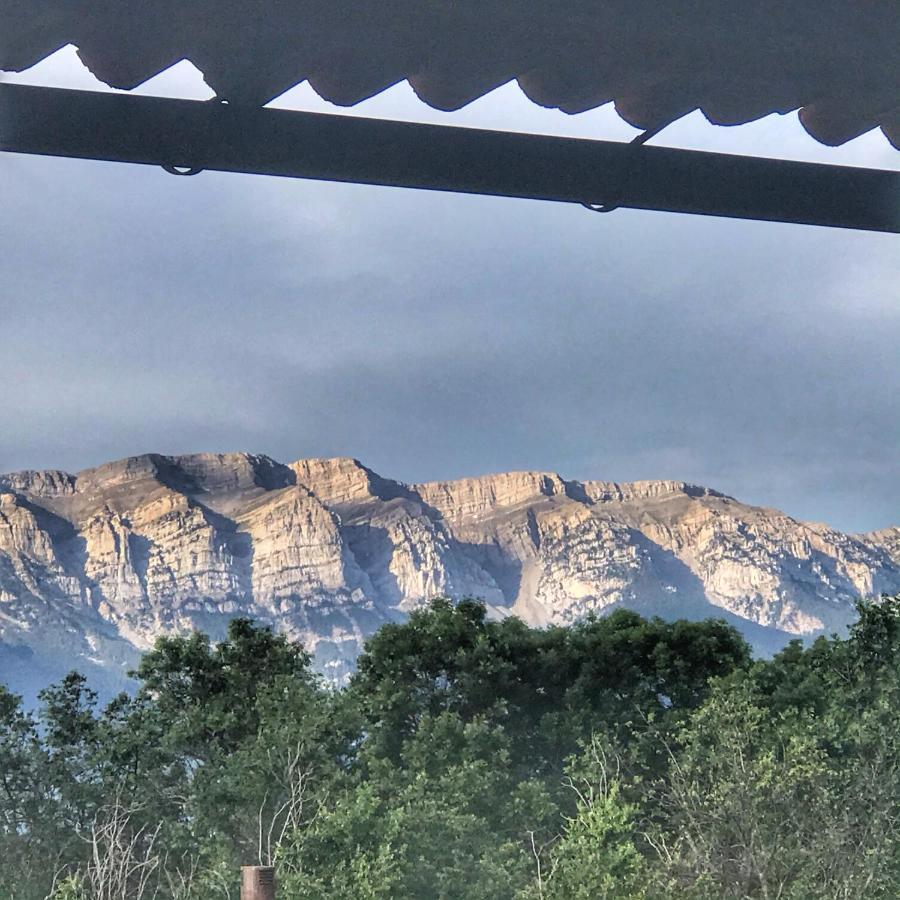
[(196, 135), (736, 60), (833, 60)]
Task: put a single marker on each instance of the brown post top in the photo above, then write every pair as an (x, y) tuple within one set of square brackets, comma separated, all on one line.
[(257, 883)]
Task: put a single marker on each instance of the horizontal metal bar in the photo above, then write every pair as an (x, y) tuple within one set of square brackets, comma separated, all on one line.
[(156, 131)]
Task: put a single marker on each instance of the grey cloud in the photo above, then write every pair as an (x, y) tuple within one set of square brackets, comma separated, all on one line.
[(436, 335)]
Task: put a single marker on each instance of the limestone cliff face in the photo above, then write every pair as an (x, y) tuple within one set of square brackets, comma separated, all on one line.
[(888, 540), (94, 566)]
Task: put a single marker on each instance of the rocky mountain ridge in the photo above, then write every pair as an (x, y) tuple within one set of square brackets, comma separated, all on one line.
[(94, 566)]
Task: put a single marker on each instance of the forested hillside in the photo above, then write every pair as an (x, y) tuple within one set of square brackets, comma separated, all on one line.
[(616, 758)]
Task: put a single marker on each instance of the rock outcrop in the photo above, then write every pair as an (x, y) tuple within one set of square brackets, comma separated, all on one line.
[(94, 566)]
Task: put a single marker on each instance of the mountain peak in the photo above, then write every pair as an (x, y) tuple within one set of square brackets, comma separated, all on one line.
[(343, 479), (326, 550)]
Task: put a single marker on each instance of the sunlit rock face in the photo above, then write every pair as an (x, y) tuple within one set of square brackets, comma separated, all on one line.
[(94, 566)]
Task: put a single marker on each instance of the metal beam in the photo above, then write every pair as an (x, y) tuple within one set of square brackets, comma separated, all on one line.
[(215, 136)]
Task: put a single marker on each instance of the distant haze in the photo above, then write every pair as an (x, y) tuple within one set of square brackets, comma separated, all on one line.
[(437, 336)]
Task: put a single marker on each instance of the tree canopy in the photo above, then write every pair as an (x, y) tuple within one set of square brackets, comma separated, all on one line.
[(468, 758)]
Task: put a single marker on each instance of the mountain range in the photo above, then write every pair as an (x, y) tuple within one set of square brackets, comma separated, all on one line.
[(94, 566)]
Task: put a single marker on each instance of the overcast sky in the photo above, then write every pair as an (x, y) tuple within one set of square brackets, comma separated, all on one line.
[(436, 335)]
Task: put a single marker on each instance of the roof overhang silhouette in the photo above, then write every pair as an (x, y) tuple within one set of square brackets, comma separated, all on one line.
[(833, 60)]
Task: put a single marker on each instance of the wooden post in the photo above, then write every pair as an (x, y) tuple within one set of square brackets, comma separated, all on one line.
[(257, 883)]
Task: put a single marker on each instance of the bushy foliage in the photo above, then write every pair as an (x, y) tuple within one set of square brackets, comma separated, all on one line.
[(619, 758), (786, 782)]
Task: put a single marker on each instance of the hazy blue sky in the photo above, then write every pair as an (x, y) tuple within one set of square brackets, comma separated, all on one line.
[(436, 336)]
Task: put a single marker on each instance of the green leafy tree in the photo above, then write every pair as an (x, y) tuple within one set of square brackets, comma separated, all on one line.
[(786, 782), (595, 854), (549, 688), (443, 821), (620, 757), (30, 841)]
